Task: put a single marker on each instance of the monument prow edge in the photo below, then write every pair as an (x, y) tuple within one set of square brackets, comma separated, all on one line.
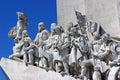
[(19, 71)]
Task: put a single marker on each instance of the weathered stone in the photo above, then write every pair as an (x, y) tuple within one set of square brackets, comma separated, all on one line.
[(66, 11), (113, 72), (72, 52), (19, 71), (105, 12)]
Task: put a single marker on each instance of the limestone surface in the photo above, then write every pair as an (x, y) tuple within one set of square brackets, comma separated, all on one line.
[(19, 71), (105, 12)]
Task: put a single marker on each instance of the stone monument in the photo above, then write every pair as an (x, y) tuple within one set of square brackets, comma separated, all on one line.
[(105, 12), (84, 49)]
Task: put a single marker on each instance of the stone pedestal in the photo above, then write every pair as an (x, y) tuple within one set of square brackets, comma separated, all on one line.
[(19, 71)]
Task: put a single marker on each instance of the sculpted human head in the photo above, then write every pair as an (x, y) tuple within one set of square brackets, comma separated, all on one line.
[(41, 26), (69, 26), (21, 16), (25, 33), (96, 35), (105, 37), (58, 30), (53, 26), (61, 28)]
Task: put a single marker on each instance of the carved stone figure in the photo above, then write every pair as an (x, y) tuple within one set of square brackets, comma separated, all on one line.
[(24, 49), (97, 61), (28, 48), (95, 29), (115, 69), (115, 62), (40, 41), (17, 51), (74, 51), (58, 46), (64, 48), (52, 49), (16, 32), (53, 25), (85, 51), (41, 33), (21, 25)]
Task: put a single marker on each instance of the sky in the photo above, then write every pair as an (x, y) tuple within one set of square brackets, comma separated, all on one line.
[(36, 11)]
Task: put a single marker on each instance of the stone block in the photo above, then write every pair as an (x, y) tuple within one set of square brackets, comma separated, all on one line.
[(104, 12), (66, 11), (19, 71)]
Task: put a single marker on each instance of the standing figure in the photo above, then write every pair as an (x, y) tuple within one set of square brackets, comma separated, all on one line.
[(40, 41), (59, 47), (51, 48), (21, 24), (41, 31), (74, 51), (16, 32), (64, 48)]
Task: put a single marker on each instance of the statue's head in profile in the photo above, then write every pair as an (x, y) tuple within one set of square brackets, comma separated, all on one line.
[(41, 26), (53, 26), (106, 37), (24, 33), (21, 16), (69, 26), (57, 30), (61, 28)]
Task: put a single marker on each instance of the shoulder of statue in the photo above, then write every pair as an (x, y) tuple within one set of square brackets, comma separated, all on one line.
[(44, 31), (65, 34), (28, 38)]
